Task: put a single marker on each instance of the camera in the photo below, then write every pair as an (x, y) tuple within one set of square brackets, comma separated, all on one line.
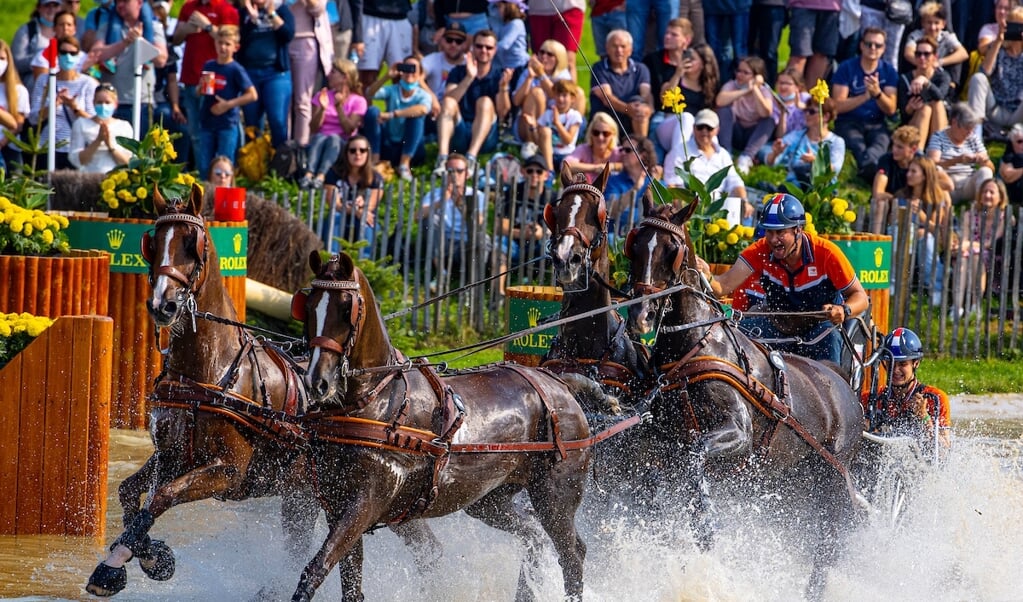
[(1013, 31), (406, 68)]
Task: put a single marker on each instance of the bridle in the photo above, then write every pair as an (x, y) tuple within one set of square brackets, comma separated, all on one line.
[(681, 256), (594, 246), (193, 282), (356, 317)]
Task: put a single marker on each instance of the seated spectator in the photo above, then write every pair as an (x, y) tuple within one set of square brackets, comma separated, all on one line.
[(512, 49), (639, 168), (922, 91), (438, 65), (709, 157), (991, 31), (534, 92), (94, 147), (979, 245), (14, 107), (960, 152), (873, 13), (555, 133), (450, 212), (865, 94), (794, 98), (746, 108), (668, 64), (931, 212), (338, 112), (949, 51), (396, 134), (75, 93), (475, 101), (798, 150), (520, 218), (621, 85), (221, 174), (994, 90), (699, 85), (599, 149), (356, 188), (891, 175), (1010, 169)]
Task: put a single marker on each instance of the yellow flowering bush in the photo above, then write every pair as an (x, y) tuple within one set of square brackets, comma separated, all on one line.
[(127, 191), (30, 231), (716, 241), (17, 331)]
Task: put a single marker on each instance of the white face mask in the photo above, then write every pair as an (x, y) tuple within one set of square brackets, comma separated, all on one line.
[(3, 67)]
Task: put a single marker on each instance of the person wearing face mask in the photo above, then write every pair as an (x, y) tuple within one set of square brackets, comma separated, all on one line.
[(396, 134), (75, 93), (32, 37), (94, 147), (14, 107)]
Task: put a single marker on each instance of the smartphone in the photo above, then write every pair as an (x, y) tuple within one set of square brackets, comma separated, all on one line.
[(688, 54), (406, 68), (1013, 31)]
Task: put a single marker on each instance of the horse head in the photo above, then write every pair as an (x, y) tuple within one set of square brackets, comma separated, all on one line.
[(578, 224), (335, 312), (662, 256), (179, 253)]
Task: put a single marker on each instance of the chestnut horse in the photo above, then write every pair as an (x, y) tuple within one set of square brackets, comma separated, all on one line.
[(223, 415), (733, 405), (403, 442)]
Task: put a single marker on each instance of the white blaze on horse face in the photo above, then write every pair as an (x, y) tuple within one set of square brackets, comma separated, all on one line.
[(650, 246), (320, 319), (161, 280), (564, 250)]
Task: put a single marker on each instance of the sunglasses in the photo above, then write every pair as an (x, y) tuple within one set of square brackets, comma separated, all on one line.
[(873, 44), (601, 134), (220, 173), (703, 127), (453, 40), (457, 170), (484, 47), (357, 150), (811, 112), (534, 172), (923, 54), (543, 52)]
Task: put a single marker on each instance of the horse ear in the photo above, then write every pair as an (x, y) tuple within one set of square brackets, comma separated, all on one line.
[(683, 215), (315, 262), (601, 180), (159, 203), (648, 202), (566, 174), (347, 265), (195, 202)]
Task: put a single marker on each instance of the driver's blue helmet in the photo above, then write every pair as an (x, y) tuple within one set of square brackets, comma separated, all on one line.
[(782, 211), (904, 345)]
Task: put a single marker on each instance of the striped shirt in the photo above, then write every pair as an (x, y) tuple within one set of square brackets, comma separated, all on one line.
[(82, 89)]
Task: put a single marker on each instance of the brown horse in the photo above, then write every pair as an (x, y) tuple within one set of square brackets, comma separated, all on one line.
[(732, 405), (223, 413), (401, 442)]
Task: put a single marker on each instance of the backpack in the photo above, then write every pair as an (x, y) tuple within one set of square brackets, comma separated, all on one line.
[(288, 161)]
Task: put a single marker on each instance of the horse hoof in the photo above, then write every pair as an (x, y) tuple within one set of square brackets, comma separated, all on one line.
[(159, 566), (107, 580)]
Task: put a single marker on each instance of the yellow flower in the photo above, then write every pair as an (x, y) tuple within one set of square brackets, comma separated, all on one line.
[(849, 216), (722, 223), (674, 100), (124, 195), (27, 229), (48, 237), (141, 192), (809, 218), (17, 224), (712, 229), (820, 92), (839, 211), (722, 246), (839, 203), (732, 238)]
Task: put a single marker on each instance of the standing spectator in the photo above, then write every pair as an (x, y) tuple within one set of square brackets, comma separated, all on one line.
[(599, 149), (520, 218), (74, 7), (746, 108), (33, 37), (949, 52), (14, 108), (727, 23), (75, 93), (605, 17), (115, 41), (387, 36), (979, 246), (922, 91), (873, 14), (798, 149), (347, 31), (266, 37), (356, 188), (560, 20), (693, 10), (813, 28), (396, 134), (1010, 169), (311, 52), (220, 111), (621, 86), (476, 99), (639, 13), (709, 157), (930, 210), (766, 20), (63, 26), (960, 151), (94, 147), (994, 90), (891, 175), (865, 93), (554, 134), (438, 65), (512, 49), (338, 112), (198, 23), (166, 92)]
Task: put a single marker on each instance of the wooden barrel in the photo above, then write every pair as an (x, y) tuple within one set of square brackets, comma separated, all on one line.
[(527, 305), (871, 258), (54, 430), (63, 285), (137, 360)]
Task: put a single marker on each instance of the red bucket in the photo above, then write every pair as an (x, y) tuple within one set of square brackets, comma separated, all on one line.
[(229, 204)]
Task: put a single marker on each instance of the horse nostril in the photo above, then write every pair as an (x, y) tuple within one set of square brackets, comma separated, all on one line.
[(577, 259), (320, 387)]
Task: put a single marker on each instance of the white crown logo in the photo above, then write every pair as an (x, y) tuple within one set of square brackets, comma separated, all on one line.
[(533, 315), (115, 238), (878, 256), (237, 240)]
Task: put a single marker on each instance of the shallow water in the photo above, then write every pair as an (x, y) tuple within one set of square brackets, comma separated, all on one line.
[(959, 540)]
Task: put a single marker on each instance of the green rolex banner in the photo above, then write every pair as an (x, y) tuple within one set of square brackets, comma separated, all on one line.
[(123, 241), (870, 259)]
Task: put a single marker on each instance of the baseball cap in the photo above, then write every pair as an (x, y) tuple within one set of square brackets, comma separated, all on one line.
[(537, 160), (707, 117), (455, 30)]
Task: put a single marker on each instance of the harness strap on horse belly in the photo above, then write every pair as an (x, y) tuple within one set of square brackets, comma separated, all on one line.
[(551, 412), (764, 400), (611, 374)]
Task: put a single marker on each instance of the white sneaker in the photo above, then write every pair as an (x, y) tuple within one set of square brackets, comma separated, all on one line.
[(528, 150), (405, 173), (441, 168), (743, 163)]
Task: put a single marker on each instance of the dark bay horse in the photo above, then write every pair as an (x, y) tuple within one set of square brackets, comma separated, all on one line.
[(736, 409), (402, 442), (223, 413)]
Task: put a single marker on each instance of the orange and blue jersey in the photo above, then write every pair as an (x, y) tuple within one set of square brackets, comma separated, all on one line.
[(938, 405), (823, 274)]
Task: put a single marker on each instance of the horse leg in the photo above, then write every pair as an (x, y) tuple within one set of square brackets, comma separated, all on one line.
[(129, 492), (344, 534), (497, 509), (350, 570), (556, 497), (701, 520), (426, 548), (299, 510), (834, 512)]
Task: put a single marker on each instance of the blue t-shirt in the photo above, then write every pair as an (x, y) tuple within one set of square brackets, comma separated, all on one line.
[(485, 86), (232, 81), (623, 85), (394, 101), (850, 73)]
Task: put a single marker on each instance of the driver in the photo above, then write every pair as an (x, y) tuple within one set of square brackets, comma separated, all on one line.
[(799, 272), (912, 405)]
